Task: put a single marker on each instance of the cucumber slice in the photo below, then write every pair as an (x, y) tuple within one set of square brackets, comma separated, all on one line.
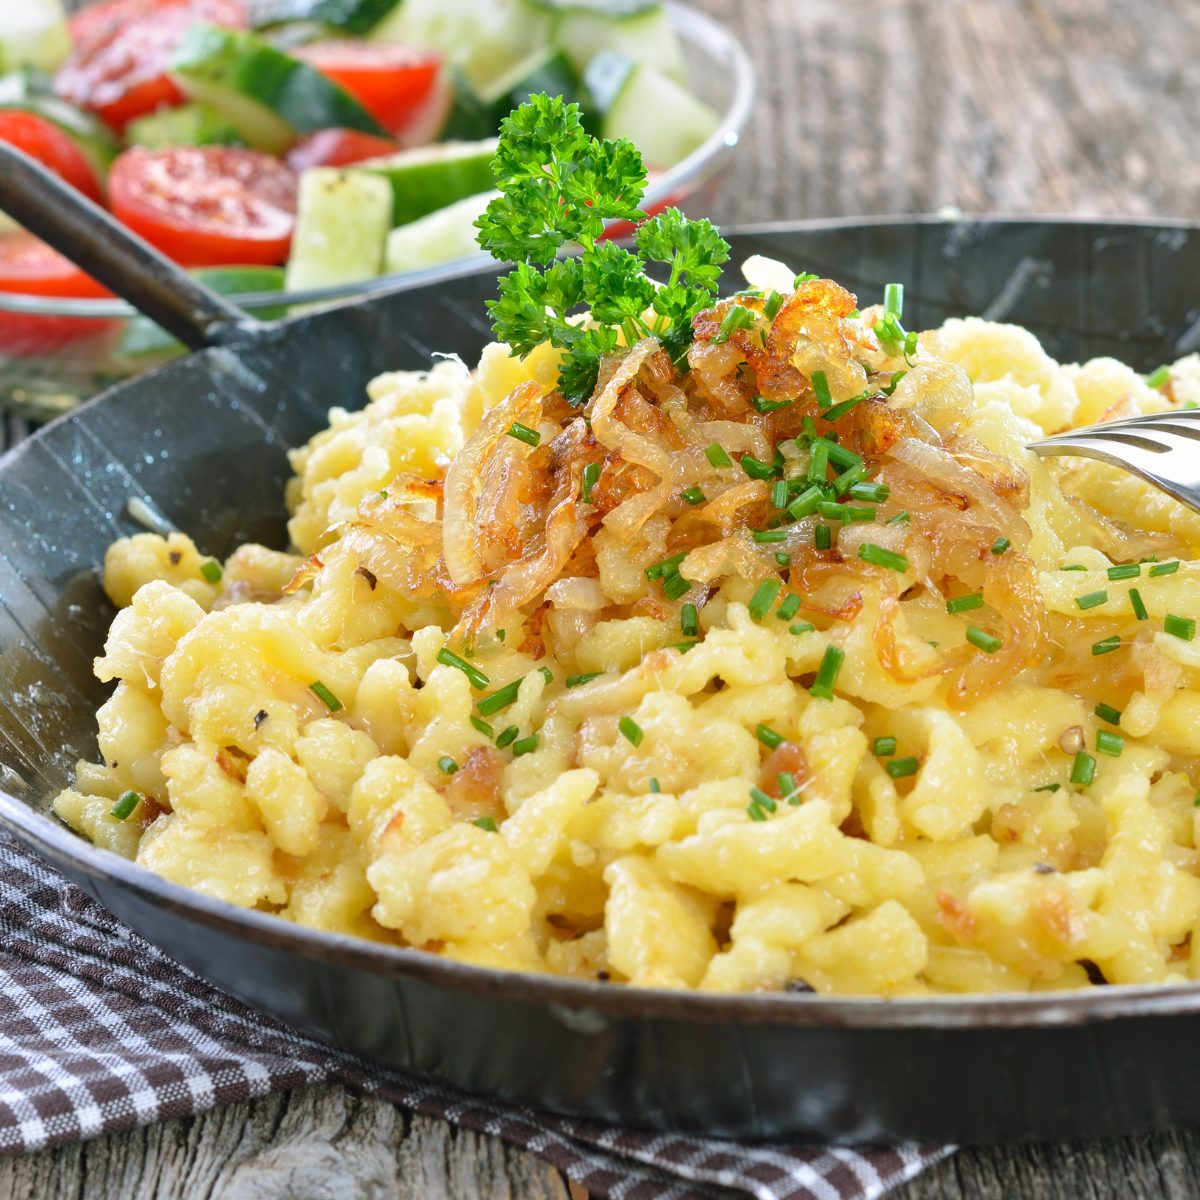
[(646, 37), (662, 118), (342, 223), (431, 177), (440, 237), (187, 125), (33, 33), (269, 97), (477, 114), (482, 37), (347, 16)]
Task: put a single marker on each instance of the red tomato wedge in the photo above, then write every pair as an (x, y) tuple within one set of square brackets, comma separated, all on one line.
[(29, 267), (122, 47), (391, 82), (207, 206), (336, 148), (43, 140)]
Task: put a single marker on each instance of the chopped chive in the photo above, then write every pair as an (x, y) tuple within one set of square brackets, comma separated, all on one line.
[(820, 386), (840, 410), (787, 783), (1167, 568), (1135, 602), (483, 727), (854, 513), (1109, 743), (756, 813), (124, 807), (818, 463), (910, 344), (827, 673), (523, 433), (899, 518), (736, 318), (848, 478), (783, 558), (834, 510), (591, 476), (989, 643), (507, 736), (325, 696), (580, 680), (804, 278), (773, 305), (893, 299), (546, 674), (806, 503), (525, 745), (899, 768), (689, 621), (883, 747), (822, 537), (965, 603), (763, 405), (682, 647), (1106, 645), (486, 823), (1125, 571), (880, 556), (839, 455), (1092, 599), (211, 570), (1000, 545), (768, 736), (801, 627), (667, 566), (715, 453), (500, 635), (447, 765), (754, 468), (676, 587), (897, 376), (1180, 627), (449, 659), (693, 496), (1073, 567), (769, 536), (500, 698), (1048, 787), (779, 493), (1106, 712), (789, 608), (762, 799), (654, 785), (763, 598), (631, 730), (876, 493), (1083, 769), (1158, 377)]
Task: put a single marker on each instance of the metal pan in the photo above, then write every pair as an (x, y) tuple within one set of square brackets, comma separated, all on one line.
[(204, 440)]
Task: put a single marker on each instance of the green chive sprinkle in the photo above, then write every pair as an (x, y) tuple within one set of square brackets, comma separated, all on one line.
[(805, 277), (1106, 645), (899, 768), (507, 736), (768, 736), (500, 635), (783, 558), (1125, 571), (1167, 568), (1083, 769), (840, 410), (833, 510), (823, 537), (848, 478), (523, 433), (773, 305), (763, 405), (801, 628), (763, 598), (827, 673), (1048, 787), (789, 608), (779, 493), (736, 318), (806, 503), (820, 386), (631, 730), (1092, 599), (693, 496), (525, 745), (893, 299), (447, 765), (762, 799), (676, 587), (715, 453), (124, 807), (485, 823), (883, 747), (580, 680), (1109, 743), (211, 570), (756, 813), (325, 696), (839, 455), (876, 493), (483, 727), (546, 674), (880, 556), (965, 603), (591, 476), (769, 536), (501, 698), (1073, 567), (668, 566), (818, 463), (655, 786), (989, 643), (1158, 377), (897, 376), (1000, 545), (689, 621), (449, 659), (899, 518), (754, 468), (1106, 712), (1180, 627), (1136, 603)]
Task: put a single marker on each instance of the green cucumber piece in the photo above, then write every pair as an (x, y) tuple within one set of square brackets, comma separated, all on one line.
[(477, 114), (662, 118), (269, 97), (187, 125), (481, 37), (647, 37), (427, 178), (439, 237), (30, 91), (33, 33), (346, 16), (342, 223)]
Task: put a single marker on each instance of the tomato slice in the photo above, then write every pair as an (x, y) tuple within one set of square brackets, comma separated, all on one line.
[(122, 47), (391, 82), (336, 148), (207, 206), (29, 267), (43, 140)]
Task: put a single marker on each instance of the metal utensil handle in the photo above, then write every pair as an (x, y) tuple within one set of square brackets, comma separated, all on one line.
[(117, 257)]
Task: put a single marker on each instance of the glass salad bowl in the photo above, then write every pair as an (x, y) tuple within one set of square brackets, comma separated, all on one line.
[(55, 353)]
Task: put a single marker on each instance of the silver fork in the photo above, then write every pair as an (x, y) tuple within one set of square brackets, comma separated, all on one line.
[(1162, 448)]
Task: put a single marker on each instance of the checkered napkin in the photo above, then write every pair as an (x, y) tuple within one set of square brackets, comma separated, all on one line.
[(100, 1032)]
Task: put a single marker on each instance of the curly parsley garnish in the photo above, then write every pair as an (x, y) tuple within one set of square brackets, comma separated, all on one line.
[(558, 185)]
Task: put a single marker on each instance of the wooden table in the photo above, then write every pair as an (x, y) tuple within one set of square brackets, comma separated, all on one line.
[(866, 106)]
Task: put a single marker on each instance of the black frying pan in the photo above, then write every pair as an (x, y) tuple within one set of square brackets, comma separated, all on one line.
[(204, 438)]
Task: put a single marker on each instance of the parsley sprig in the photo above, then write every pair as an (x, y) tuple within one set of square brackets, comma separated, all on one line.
[(558, 186)]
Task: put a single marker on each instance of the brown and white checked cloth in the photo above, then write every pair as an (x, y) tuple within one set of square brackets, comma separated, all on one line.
[(101, 1032)]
